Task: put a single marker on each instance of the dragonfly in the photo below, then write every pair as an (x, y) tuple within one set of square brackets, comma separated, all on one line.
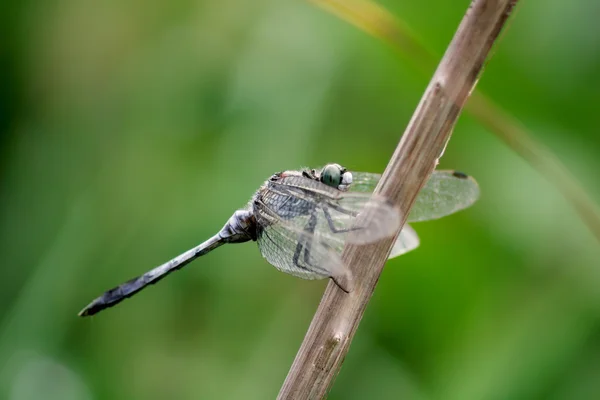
[(302, 219)]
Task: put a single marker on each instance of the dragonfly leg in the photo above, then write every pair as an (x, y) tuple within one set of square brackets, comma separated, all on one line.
[(304, 244), (307, 265), (342, 210), (332, 224), (310, 229), (296, 258)]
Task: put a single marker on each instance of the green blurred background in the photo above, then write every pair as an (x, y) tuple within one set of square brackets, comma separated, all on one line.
[(131, 130)]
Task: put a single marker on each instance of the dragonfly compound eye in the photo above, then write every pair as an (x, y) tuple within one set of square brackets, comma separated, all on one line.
[(331, 175)]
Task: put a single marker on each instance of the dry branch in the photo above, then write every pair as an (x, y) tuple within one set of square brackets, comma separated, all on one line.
[(338, 315)]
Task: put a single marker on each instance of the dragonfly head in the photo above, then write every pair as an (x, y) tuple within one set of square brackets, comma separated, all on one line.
[(336, 176)]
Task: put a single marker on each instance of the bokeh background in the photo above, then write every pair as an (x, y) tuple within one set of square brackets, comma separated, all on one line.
[(131, 131)]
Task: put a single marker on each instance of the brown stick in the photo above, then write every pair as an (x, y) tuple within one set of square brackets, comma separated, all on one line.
[(326, 343)]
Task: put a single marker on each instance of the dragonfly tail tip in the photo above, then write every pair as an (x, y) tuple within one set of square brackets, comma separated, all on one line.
[(84, 312), (89, 310)]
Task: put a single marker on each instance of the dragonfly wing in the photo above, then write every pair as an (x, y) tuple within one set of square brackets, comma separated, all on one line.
[(292, 249), (407, 240), (445, 193), (364, 182), (369, 218)]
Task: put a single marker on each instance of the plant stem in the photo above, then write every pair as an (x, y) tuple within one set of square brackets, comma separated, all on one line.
[(328, 339)]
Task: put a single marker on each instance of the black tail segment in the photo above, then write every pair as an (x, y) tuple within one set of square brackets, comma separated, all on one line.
[(115, 295), (238, 229), (118, 294)]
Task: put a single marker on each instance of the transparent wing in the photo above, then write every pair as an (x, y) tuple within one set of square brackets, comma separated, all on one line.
[(445, 193), (299, 252), (364, 182), (407, 240), (296, 198)]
